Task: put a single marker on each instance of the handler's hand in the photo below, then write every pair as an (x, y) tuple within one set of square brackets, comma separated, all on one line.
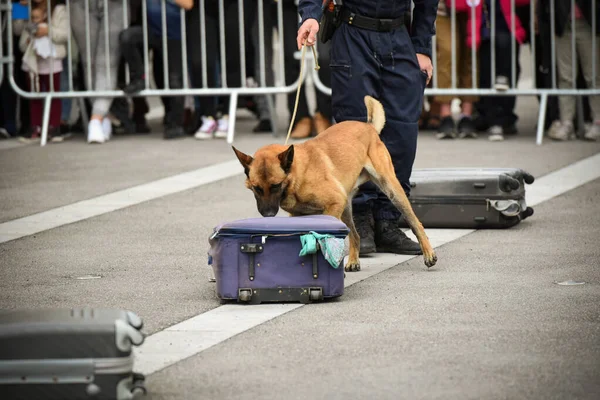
[(425, 65), (308, 31)]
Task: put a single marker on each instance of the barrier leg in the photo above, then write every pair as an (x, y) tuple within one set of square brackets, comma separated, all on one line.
[(232, 112), (46, 120), (271, 107), (541, 119), (580, 118), (85, 120)]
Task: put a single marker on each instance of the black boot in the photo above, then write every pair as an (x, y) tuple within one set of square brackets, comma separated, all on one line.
[(391, 239), (363, 221)]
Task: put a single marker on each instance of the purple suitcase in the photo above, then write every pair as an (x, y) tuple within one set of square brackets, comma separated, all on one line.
[(257, 260)]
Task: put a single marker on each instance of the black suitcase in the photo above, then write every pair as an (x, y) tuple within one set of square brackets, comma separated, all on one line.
[(473, 198), (69, 354)]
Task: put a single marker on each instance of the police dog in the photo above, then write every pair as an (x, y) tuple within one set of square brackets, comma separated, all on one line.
[(322, 175)]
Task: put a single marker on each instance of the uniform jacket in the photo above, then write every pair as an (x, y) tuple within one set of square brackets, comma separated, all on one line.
[(520, 32), (423, 16)]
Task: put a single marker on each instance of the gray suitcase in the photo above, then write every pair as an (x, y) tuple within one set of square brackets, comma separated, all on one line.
[(69, 354), (473, 198)]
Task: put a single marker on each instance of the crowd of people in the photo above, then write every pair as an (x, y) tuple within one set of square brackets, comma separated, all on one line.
[(41, 64)]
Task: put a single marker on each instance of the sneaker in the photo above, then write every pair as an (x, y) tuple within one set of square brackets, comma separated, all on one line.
[(207, 129), (592, 131), (561, 131), (222, 127), (32, 135), (502, 83), (95, 132), (107, 128), (496, 133), (447, 130), (466, 128), (4, 134)]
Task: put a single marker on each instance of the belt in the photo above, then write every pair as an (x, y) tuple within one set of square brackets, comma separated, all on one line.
[(372, 24)]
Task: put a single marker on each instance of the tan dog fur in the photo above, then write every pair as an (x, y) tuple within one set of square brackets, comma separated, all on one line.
[(322, 175)]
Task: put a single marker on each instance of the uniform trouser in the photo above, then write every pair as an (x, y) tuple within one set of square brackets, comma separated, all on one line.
[(383, 65)]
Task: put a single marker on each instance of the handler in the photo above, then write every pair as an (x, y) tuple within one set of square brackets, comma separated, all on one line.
[(375, 52)]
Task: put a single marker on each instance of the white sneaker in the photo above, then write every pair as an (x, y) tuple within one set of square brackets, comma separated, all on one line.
[(95, 132), (502, 83), (561, 131), (207, 129), (222, 127), (495, 133), (107, 128), (592, 131)]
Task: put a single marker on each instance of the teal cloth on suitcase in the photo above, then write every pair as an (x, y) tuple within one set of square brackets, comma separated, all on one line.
[(333, 249)]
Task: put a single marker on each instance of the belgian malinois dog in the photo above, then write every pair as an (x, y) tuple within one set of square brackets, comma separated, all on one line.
[(322, 175)]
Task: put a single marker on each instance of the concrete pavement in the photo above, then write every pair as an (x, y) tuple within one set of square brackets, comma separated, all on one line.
[(487, 322)]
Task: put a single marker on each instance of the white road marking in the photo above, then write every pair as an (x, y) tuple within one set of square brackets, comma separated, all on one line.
[(205, 330), (85, 209)]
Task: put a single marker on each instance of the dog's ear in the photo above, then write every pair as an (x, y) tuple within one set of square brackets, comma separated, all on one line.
[(286, 158), (245, 160)]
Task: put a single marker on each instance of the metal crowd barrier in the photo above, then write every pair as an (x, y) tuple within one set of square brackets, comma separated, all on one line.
[(543, 93), (265, 89)]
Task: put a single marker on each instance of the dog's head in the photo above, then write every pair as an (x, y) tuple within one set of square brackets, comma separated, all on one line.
[(267, 175)]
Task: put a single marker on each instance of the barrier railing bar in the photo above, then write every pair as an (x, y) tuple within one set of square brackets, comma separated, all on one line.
[(223, 46), (552, 44), (184, 59), (261, 42), (453, 42), (145, 37), (513, 47), (594, 45), (242, 37), (474, 69), (165, 50), (202, 12), (492, 43)]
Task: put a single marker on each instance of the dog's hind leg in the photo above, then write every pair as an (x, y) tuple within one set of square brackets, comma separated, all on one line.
[(382, 174), (353, 259)]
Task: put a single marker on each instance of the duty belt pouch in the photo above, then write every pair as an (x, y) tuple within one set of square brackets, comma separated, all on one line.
[(330, 20)]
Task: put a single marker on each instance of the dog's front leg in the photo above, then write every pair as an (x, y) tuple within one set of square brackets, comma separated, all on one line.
[(353, 259)]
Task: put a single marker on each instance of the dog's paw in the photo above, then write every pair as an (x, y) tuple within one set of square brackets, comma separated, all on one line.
[(352, 267), (430, 259)]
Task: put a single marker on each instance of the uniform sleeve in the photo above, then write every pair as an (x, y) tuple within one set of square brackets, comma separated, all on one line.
[(309, 9), (423, 25)]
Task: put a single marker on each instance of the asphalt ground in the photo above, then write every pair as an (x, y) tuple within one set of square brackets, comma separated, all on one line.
[(488, 321)]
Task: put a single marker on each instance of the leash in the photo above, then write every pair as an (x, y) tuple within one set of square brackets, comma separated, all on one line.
[(317, 67)]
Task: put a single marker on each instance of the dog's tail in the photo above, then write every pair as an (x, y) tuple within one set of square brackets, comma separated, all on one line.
[(375, 113)]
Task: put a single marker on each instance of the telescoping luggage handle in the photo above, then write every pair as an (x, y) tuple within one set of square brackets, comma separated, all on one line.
[(253, 248)]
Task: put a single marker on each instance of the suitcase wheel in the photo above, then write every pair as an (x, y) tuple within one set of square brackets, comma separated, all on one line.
[(244, 295), (527, 213), (315, 294)]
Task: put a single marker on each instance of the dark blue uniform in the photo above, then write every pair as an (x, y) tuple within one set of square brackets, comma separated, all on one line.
[(383, 65)]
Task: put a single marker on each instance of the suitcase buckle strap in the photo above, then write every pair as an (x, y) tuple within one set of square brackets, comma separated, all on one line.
[(252, 249)]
